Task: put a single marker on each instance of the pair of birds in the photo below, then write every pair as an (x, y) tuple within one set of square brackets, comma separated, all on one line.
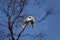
[(27, 20)]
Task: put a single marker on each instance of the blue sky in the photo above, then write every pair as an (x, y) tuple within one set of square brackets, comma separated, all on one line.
[(50, 26)]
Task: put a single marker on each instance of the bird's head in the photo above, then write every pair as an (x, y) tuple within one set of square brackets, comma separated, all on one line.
[(31, 18)]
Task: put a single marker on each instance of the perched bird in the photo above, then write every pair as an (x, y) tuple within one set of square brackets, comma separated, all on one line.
[(27, 20)]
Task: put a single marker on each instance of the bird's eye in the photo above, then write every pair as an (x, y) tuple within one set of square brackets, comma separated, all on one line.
[(29, 17)]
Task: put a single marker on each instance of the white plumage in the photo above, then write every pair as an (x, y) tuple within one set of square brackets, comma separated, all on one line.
[(27, 20)]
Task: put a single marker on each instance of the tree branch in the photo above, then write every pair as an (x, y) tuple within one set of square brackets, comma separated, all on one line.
[(38, 35), (46, 15), (10, 28), (20, 12), (20, 33), (3, 9)]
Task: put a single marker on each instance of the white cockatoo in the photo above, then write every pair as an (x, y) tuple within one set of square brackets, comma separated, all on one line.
[(27, 20)]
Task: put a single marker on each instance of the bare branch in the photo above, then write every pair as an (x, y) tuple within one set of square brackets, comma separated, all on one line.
[(20, 12), (10, 28), (46, 15), (39, 36), (3, 9), (20, 33), (8, 6)]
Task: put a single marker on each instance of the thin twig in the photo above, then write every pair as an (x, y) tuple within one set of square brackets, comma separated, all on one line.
[(20, 12), (46, 15)]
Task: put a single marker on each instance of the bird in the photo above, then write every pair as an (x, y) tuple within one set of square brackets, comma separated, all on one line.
[(27, 20)]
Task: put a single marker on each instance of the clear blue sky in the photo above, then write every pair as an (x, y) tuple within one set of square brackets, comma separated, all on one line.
[(50, 26)]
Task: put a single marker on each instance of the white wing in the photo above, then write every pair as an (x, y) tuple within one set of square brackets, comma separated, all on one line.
[(27, 20)]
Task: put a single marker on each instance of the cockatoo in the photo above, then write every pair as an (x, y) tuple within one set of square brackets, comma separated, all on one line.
[(27, 20)]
